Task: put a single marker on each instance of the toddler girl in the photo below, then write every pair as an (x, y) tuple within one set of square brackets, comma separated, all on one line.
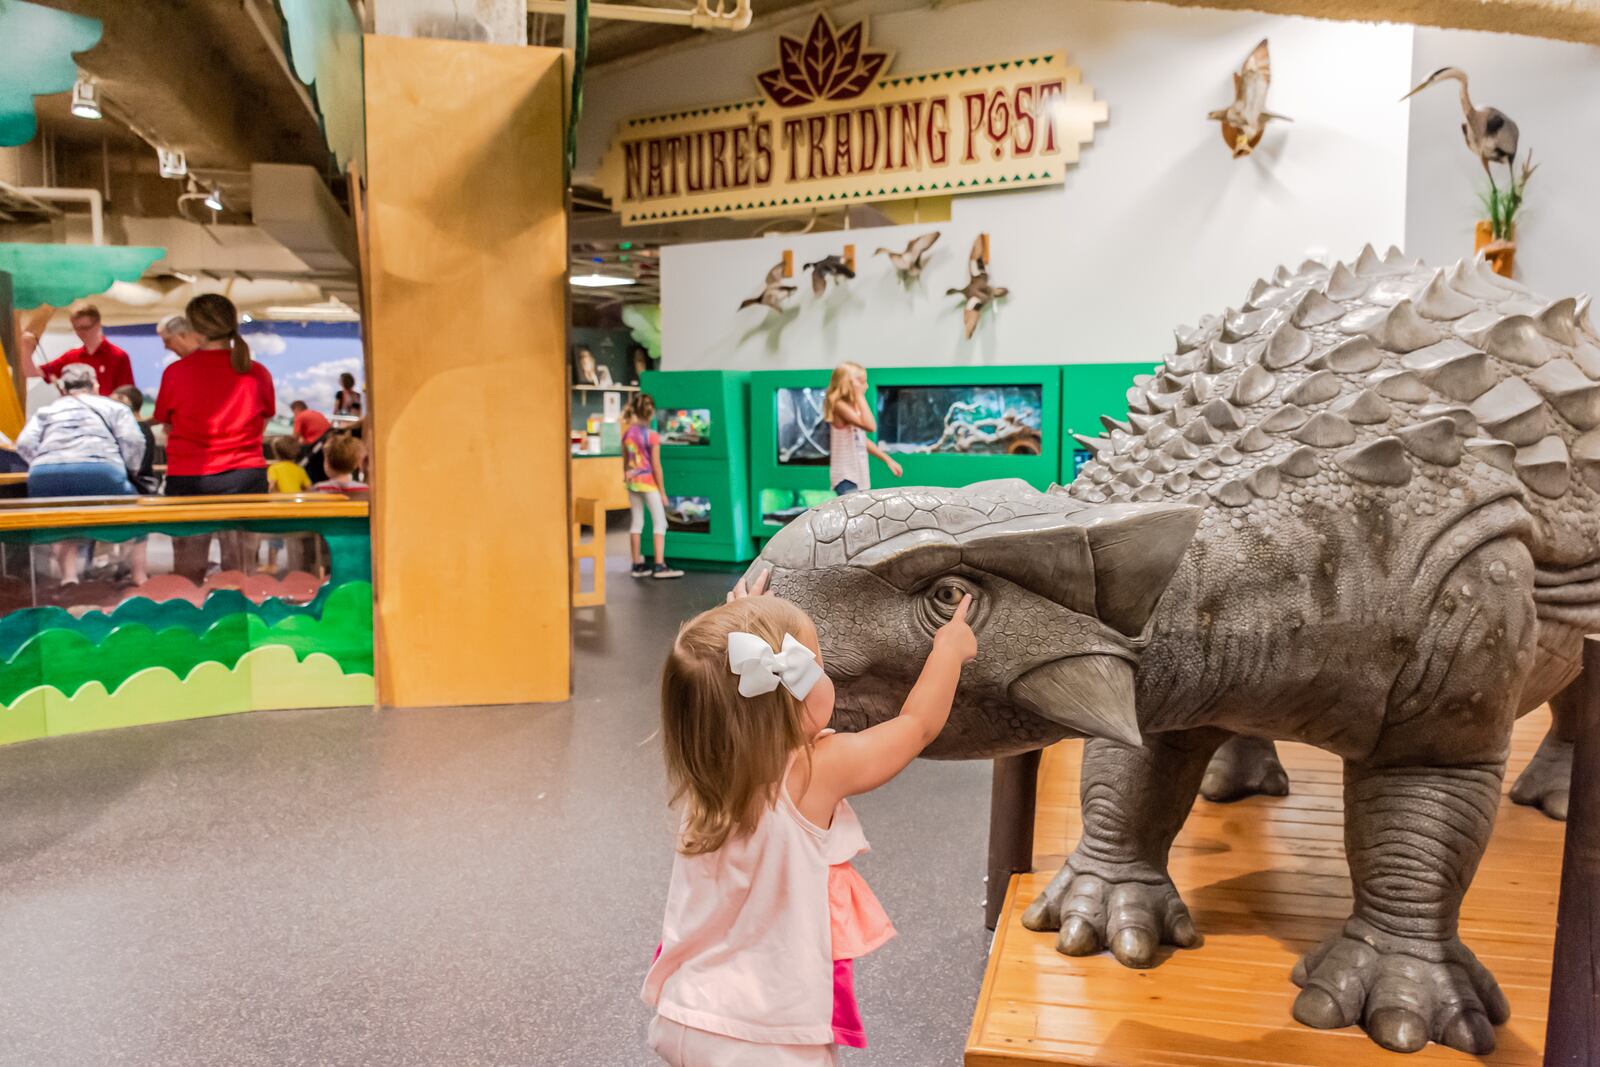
[(764, 912)]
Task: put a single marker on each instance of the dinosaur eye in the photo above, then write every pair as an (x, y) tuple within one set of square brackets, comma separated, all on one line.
[(944, 595)]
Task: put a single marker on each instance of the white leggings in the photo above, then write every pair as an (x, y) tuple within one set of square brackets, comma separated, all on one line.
[(658, 514)]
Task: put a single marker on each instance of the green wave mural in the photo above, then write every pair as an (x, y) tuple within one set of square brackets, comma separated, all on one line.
[(39, 43), (59, 274), (324, 44)]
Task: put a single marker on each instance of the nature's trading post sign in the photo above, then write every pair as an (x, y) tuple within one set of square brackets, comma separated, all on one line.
[(831, 129)]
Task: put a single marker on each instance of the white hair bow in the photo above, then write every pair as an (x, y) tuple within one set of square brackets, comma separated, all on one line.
[(760, 669)]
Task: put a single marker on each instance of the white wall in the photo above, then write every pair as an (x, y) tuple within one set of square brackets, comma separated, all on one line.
[(1157, 224), (1552, 91)]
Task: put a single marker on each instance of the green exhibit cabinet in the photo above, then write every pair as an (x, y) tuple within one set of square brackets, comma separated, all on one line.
[(703, 420), (1088, 391), (788, 447), (953, 426)]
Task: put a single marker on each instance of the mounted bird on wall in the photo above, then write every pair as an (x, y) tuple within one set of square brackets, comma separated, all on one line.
[(1490, 133), (978, 293), (828, 267), (910, 262), (773, 293), (1245, 120)]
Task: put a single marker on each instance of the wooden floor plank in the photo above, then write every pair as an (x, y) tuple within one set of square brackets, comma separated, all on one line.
[(1266, 880)]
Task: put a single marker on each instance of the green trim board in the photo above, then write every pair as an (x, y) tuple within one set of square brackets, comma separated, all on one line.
[(39, 46), (723, 394), (717, 472), (153, 661), (1088, 391)]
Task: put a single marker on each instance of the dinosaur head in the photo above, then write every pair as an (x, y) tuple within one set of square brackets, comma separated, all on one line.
[(1063, 593)]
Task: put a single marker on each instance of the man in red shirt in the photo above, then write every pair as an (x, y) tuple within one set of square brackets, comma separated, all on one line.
[(110, 363), (309, 425)]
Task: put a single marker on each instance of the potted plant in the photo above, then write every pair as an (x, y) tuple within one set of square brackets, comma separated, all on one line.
[(1496, 236)]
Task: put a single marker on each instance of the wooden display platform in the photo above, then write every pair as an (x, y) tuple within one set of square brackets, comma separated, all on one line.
[(1266, 880)]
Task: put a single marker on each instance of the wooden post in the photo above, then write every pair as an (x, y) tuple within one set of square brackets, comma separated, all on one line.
[(1012, 800), (1572, 1033)]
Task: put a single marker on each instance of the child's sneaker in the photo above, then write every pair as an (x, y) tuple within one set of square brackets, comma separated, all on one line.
[(640, 570), (663, 571)]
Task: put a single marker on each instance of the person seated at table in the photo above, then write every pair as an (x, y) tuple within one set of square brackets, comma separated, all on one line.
[(112, 367), (347, 401), (343, 457), (309, 424), (83, 444)]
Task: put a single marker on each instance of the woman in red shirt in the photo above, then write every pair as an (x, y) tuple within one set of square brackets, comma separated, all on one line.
[(215, 403)]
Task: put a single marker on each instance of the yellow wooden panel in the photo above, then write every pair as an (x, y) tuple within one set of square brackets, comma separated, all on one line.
[(600, 478), (467, 248), (54, 512), (1266, 881)]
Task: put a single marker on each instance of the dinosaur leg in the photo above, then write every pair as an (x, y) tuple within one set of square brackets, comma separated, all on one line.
[(1113, 891), (1543, 783), (1244, 767), (1418, 813)]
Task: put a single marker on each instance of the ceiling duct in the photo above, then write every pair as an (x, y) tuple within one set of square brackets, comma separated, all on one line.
[(292, 204)]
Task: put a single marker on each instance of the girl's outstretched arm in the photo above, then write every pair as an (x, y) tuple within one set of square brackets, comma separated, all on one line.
[(888, 460), (845, 765)]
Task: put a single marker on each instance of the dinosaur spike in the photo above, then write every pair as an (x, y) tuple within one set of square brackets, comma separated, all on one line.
[(1365, 408), (1142, 423), (1207, 469), (1232, 493), (1112, 424), (1466, 422), (1315, 310), (1237, 325), (1221, 356), (1096, 445), (1201, 388), (1516, 339), (1159, 434), (1133, 479), (1545, 467), (1581, 313), (1253, 440), (1343, 284), (1513, 412), (1403, 330), (1301, 463), (1140, 451), (1182, 365), (1182, 448), (1368, 262), (1487, 274), (1165, 401), (1570, 392), (1320, 388), (1435, 441), (1464, 280), (1559, 321), (1439, 301), (1259, 289), (1400, 385), (1177, 483), (1201, 432), (1255, 384), (1286, 347), (1326, 430), (1196, 499), (1160, 463), (1222, 415), (1282, 275), (1122, 443), (1586, 451), (1147, 494), (1102, 474), (1187, 339), (1454, 368), (1265, 482), (1520, 305), (1381, 462), (1587, 357), (1395, 258), (1287, 417), (1139, 401), (1493, 452), (1358, 355), (1228, 456), (1309, 266)]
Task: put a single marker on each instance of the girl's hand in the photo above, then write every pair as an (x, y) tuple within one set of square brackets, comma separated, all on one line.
[(756, 588), (956, 635), (894, 468)]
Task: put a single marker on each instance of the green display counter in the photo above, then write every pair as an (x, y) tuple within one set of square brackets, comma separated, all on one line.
[(702, 417), (1088, 391), (788, 447)]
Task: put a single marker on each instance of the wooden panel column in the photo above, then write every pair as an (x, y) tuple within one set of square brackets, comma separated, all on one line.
[(467, 247)]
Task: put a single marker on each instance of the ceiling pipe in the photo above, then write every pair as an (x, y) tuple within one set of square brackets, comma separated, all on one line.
[(92, 197), (700, 17)]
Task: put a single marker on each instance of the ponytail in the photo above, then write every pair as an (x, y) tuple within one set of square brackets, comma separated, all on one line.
[(239, 355), (214, 317)]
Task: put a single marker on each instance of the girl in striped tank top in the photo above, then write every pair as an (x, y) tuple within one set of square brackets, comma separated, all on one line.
[(850, 419)]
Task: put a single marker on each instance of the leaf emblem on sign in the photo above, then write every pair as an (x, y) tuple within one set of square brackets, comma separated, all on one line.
[(826, 65)]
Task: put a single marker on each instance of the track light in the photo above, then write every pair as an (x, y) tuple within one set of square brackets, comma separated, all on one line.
[(85, 99), (173, 163), (214, 198)]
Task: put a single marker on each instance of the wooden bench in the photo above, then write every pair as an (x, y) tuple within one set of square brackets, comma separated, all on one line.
[(587, 511)]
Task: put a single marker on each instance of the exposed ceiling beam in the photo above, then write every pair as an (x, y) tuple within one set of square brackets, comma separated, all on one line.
[(1560, 20)]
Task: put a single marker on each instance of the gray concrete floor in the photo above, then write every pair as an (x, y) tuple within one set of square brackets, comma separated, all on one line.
[(462, 886)]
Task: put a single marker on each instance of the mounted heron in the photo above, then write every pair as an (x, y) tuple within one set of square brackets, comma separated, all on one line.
[(1490, 133)]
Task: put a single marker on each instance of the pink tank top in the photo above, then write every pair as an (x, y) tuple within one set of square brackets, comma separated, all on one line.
[(750, 936), (847, 456)]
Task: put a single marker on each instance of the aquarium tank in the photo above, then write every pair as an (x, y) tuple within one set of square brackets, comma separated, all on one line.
[(802, 431), (961, 419), (684, 426), (688, 514), (782, 506)]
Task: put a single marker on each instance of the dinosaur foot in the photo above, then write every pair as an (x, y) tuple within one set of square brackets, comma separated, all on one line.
[(1546, 779), (1132, 912), (1244, 767), (1403, 991)]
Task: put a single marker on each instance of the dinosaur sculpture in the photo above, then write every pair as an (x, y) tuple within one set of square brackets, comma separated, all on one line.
[(1357, 512)]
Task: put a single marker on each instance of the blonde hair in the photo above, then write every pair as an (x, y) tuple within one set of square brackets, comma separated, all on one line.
[(726, 753), (343, 454), (843, 379)]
